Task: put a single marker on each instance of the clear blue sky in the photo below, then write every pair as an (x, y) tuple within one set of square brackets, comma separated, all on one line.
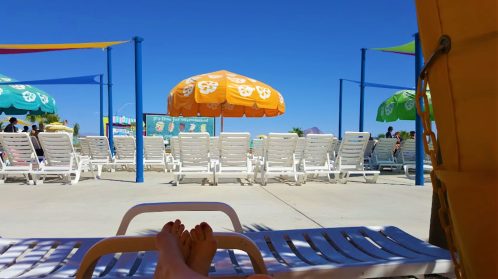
[(300, 48)]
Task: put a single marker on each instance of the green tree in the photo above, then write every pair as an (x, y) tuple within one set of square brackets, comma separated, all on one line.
[(76, 129), (404, 134), (381, 136), (44, 118), (298, 131)]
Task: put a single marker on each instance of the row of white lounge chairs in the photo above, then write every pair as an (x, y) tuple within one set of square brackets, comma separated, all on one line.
[(211, 158)]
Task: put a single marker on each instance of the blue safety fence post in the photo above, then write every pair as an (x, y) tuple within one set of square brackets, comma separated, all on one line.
[(362, 88), (109, 92), (340, 109), (419, 146), (139, 109), (101, 119)]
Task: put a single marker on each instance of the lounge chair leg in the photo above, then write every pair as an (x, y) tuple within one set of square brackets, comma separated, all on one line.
[(333, 177), (2, 178), (343, 177), (371, 180)]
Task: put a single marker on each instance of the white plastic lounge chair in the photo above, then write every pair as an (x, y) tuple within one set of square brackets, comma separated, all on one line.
[(315, 157), (346, 253), (407, 153), (125, 154), (21, 155), (234, 157), (195, 159), (84, 154), (214, 152), (350, 158), (257, 152), (279, 158), (383, 154), (100, 154), (60, 158), (174, 156), (114, 257), (301, 142), (367, 155), (154, 152)]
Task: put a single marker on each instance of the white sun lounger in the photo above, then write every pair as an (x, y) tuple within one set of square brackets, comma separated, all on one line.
[(367, 155), (279, 157), (60, 158), (407, 155), (125, 154), (21, 156), (350, 158), (346, 253), (84, 154), (100, 154), (315, 157), (383, 154), (154, 152), (234, 157), (195, 159), (174, 156), (301, 142)]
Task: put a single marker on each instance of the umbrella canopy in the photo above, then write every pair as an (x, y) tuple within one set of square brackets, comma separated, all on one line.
[(56, 126), (24, 99), (400, 106), (223, 93), (19, 121)]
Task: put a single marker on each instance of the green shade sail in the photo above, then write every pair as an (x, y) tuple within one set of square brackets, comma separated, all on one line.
[(400, 106), (408, 48), (24, 99)]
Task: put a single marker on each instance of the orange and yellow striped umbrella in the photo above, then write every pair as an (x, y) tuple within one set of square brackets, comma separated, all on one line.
[(224, 94)]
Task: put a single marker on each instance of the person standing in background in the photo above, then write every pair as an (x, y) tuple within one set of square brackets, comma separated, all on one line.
[(388, 134), (11, 128), (25, 129)]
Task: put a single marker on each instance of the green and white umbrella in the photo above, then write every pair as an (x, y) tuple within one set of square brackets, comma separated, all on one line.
[(24, 99), (400, 106)]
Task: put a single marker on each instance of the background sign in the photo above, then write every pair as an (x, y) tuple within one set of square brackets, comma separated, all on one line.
[(167, 126)]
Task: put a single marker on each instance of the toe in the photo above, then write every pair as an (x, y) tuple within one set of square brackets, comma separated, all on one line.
[(207, 230), (175, 227), (188, 241), (168, 226), (180, 231), (194, 235), (199, 232), (184, 237)]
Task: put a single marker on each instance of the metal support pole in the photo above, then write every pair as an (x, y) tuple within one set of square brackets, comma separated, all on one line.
[(419, 146), (109, 92), (340, 109), (139, 110), (101, 119), (362, 88)]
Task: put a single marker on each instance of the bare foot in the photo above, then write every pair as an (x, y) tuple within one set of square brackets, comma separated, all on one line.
[(171, 263), (203, 249)]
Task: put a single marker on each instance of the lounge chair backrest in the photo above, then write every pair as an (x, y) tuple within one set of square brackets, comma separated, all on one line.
[(301, 142), (280, 148), (99, 148), (234, 149), (369, 149), (154, 148), (408, 151), (34, 141), (384, 149), (351, 151), (214, 147), (125, 148), (175, 148), (258, 147), (58, 150), (332, 148), (337, 146), (18, 149), (194, 149), (85, 150), (316, 149)]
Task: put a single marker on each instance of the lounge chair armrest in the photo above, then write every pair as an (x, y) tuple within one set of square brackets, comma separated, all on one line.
[(179, 206), (123, 244)]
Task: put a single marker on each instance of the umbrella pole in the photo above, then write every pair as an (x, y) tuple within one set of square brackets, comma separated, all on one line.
[(222, 118)]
